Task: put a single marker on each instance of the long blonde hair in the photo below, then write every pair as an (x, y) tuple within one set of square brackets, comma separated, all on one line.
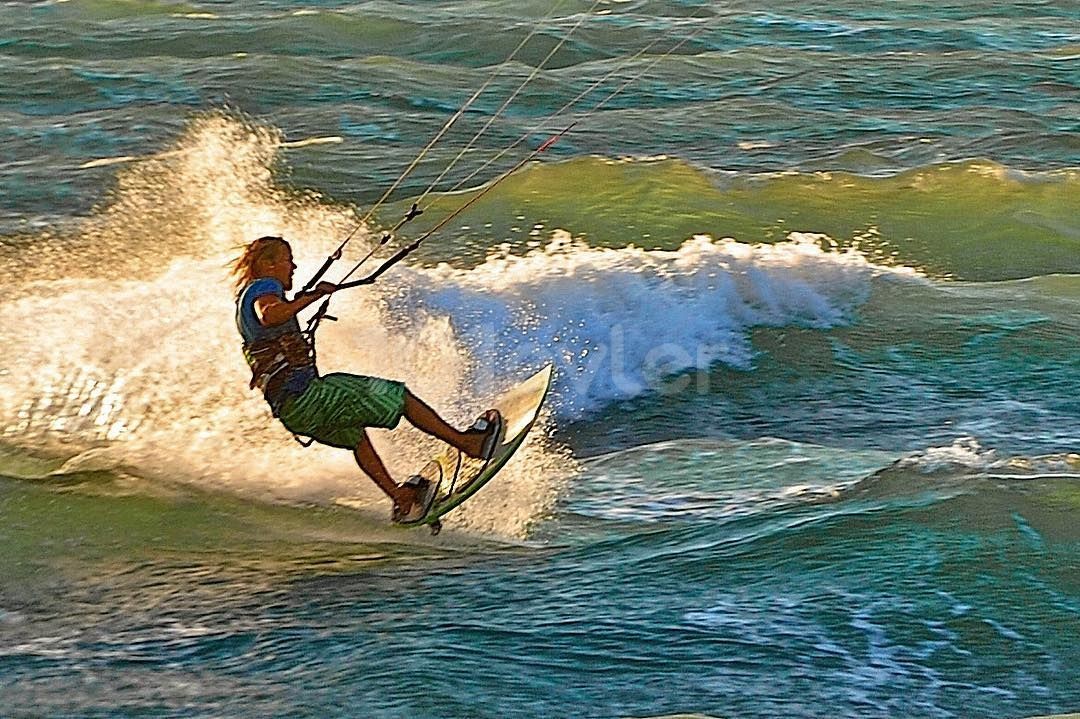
[(245, 268)]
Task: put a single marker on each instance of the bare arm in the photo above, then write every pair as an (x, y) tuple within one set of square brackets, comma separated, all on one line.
[(273, 311)]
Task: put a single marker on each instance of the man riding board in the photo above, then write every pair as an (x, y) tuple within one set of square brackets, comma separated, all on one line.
[(334, 409)]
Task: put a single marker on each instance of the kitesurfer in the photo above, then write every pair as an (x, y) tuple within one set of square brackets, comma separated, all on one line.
[(332, 409)]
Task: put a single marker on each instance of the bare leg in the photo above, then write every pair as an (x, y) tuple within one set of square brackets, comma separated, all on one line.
[(424, 418), (373, 466)]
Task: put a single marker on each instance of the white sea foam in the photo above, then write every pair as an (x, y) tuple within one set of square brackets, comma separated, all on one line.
[(619, 323), (966, 455)]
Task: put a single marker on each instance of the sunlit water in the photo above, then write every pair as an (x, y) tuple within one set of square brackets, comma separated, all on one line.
[(808, 282)]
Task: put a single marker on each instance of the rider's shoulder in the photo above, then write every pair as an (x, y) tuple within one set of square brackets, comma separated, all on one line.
[(263, 286)]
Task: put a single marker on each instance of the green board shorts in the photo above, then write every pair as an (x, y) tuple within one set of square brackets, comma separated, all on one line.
[(335, 409)]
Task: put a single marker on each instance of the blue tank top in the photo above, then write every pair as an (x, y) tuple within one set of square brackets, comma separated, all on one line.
[(252, 330)]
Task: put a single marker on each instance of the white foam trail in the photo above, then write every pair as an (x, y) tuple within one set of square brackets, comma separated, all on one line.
[(106, 161), (327, 140)]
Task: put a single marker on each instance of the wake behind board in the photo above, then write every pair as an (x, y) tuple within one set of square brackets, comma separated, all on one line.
[(458, 476)]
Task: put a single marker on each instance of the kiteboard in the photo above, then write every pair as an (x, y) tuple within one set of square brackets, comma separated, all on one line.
[(458, 476)]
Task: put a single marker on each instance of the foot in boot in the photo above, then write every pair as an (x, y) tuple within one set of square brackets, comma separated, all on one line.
[(410, 502), (483, 436)]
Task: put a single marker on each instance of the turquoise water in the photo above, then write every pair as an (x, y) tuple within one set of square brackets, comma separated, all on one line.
[(809, 282)]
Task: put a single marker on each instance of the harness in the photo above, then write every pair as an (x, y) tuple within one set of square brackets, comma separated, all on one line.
[(273, 360)]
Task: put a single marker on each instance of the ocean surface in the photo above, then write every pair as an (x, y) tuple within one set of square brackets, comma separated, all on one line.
[(809, 274)]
